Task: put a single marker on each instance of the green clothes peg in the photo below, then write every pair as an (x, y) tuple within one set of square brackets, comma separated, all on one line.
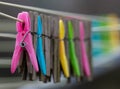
[(72, 54), (105, 38)]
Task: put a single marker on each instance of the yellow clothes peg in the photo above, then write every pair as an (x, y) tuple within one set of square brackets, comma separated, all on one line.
[(62, 54), (114, 35)]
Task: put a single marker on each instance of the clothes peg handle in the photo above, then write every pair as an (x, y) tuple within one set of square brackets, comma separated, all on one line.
[(39, 50), (85, 60), (62, 54), (40, 55), (73, 58), (63, 58), (72, 53)]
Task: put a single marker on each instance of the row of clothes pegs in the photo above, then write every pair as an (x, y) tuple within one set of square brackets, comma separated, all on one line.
[(48, 46), (100, 40)]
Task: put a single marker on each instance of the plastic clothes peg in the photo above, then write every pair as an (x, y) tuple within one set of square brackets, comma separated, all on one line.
[(96, 39), (39, 50), (105, 39), (62, 54), (23, 42), (73, 58), (114, 34), (85, 61)]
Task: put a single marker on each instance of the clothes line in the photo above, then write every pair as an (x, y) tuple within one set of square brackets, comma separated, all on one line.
[(8, 35), (11, 17), (106, 28), (63, 14), (94, 29), (58, 13)]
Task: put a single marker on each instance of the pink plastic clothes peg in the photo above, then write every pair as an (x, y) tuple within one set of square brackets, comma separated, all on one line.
[(23, 42), (85, 61)]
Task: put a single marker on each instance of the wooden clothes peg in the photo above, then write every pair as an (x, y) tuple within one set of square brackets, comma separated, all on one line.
[(86, 26), (77, 47), (89, 44), (44, 22), (29, 65), (35, 36), (51, 47), (67, 50), (54, 45), (49, 41), (46, 43), (72, 52), (62, 53)]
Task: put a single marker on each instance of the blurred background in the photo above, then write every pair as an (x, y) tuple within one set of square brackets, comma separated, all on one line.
[(105, 52)]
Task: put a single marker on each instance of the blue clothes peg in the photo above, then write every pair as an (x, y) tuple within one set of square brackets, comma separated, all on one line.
[(39, 48), (96, 38)]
